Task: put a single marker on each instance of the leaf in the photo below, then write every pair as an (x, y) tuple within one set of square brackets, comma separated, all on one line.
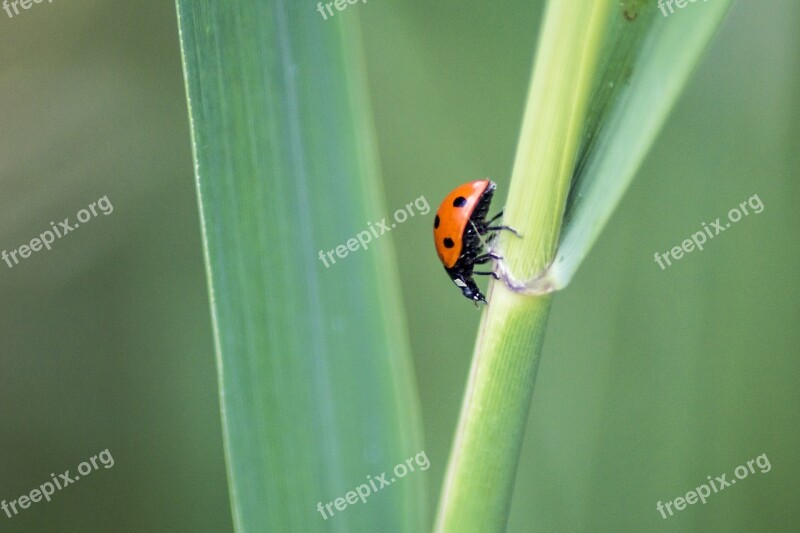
[(316, 385), (647, 60)]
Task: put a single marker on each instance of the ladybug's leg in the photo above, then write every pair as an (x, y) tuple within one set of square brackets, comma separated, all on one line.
[(492, 236), (488, 226), (485, 258), (499, 228), (498, 215), (493, 274)]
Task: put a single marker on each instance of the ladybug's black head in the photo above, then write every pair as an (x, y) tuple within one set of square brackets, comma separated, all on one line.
[(468, 288)]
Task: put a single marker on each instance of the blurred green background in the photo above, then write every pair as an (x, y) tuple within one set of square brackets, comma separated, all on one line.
[(650, 380)]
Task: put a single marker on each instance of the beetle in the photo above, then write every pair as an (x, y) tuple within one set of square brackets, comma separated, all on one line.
[(458, 232)]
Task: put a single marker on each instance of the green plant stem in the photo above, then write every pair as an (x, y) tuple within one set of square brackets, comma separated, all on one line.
[(630, 63), (483, 462), (483, 465)]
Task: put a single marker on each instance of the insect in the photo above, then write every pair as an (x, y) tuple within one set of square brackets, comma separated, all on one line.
[(458, 231)]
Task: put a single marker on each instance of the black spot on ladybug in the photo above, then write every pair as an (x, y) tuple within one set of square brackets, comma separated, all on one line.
[(436, 222), (460, 202), (448, 242)]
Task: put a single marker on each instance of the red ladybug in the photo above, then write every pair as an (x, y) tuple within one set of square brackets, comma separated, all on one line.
[(458, 231)]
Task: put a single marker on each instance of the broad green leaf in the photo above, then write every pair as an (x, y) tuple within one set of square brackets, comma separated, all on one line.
[(316, 386)]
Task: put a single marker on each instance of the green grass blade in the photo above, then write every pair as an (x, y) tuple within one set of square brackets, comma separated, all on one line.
[(316, 386), (648, 59)]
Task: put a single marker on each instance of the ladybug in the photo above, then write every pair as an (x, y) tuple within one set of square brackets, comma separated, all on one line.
[(458, 231)]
